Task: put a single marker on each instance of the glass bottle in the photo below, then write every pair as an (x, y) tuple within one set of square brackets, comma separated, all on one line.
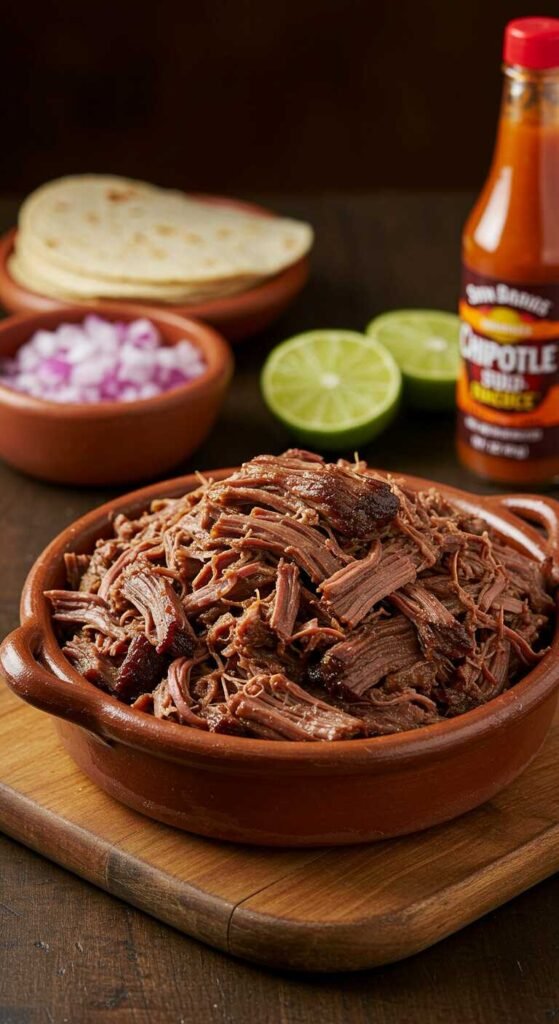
[(508, 388)]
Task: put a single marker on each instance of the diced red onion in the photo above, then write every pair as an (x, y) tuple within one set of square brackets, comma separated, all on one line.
[(100, 361)]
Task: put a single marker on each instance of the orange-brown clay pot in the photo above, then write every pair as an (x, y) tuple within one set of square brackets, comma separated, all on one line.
[(236, 316), (112, 442), (283, 793)]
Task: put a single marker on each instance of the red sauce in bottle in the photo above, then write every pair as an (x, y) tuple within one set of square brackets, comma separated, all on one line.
[(508, 389)]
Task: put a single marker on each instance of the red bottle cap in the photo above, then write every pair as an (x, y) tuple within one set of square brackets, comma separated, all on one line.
[(532, 43)]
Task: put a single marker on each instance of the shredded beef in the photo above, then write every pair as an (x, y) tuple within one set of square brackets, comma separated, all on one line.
[(75, 566), (178, 685), (354, 590), (437, 628), (90, 662), (354, 666), (300, 600), (286, 600), (383, 716), (353, 504), (165, 621), (268, 531), (274, 707), (140, 670), (89, 610)]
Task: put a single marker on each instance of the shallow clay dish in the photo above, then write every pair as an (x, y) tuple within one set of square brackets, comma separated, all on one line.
[(111, 442), (268, 791), (236, 316)]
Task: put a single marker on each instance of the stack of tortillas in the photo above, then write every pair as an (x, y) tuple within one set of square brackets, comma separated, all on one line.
[(93, 236)]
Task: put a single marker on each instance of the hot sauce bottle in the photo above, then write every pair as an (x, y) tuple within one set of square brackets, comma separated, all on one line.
[(508, 388)]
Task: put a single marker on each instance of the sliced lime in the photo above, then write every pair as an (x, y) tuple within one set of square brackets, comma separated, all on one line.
[(332, 389), (424, 343)]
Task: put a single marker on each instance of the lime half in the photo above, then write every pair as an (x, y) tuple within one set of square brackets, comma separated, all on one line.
[(332, 389), (424, 343)]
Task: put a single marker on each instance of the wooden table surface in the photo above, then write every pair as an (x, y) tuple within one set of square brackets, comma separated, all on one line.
[(70, 953)]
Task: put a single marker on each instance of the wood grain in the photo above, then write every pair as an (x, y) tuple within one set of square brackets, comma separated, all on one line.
[(309, 910), (46, 803)]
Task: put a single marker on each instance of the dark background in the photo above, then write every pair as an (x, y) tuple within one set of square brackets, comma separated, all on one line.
[(254, 95)]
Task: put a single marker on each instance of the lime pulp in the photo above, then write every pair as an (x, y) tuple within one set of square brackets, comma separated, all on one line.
[(334, 389), (424, 343)]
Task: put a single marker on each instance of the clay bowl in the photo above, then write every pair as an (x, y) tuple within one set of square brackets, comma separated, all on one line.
[(236, 316), (283, 793), (111, 442)]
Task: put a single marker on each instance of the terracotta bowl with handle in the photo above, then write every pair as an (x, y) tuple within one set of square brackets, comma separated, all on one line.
[(112, 442), (236, 316), (285, 793)]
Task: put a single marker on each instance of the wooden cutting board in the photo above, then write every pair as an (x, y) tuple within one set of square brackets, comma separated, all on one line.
[(331, 909)]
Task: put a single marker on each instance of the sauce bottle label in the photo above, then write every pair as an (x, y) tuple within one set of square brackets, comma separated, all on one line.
[(508, 386)]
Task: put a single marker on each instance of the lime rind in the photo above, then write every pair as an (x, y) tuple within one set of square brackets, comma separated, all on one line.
[(353, 406)]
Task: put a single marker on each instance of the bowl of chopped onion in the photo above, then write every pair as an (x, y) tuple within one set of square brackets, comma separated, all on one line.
[(107, 398)]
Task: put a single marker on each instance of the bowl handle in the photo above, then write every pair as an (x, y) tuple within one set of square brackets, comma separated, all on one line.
[(535, 508), (30, 679)]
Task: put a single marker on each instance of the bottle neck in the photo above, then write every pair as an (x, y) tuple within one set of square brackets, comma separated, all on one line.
[(530, 97), (513, 231)]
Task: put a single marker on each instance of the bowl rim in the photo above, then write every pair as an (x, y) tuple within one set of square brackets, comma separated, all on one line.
[(229, 307), (205, 338), (78, 700)]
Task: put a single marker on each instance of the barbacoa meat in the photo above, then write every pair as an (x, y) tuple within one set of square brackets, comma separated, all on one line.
[(438, 630), (352, 591), (354, 666), (286, 599), (165, 623), (275, 708), (300, 600), (91, 611), (354, 505), (269, 531)]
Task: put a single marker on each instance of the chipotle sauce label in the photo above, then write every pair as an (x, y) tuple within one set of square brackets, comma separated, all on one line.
[(508, 386)]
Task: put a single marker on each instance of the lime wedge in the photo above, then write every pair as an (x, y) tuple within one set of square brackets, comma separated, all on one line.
[(332, 389), (424, 343)]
